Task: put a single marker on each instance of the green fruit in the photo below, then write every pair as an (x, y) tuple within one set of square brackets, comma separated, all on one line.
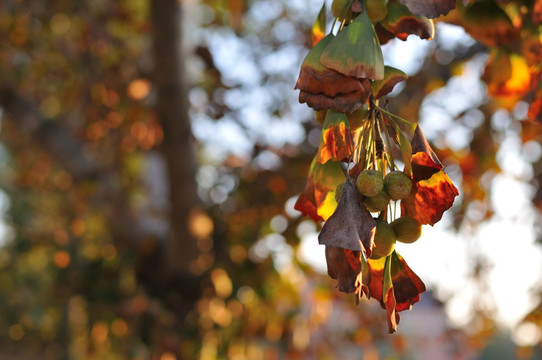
[(370, 182), (397, 185), (377, 9), (407, 229), (338, 191), (377, 203), (384, 240)]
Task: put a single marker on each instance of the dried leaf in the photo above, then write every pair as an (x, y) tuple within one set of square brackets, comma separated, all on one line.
[(337, 141), (318, 199), (345, 103), (351, 226), (392, 77), (322, 88), (355, 51), (488, 23), (401, 22), (318, 30), (344, 265), (429, 8)]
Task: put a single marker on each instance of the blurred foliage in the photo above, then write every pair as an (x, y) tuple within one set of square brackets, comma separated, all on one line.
[(77, 254)]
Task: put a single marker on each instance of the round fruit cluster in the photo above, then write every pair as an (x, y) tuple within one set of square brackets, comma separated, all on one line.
[(377, 191)]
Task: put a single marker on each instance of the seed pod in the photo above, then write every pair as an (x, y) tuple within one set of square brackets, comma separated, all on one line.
[(384, 240), (397, 185), (407, 229), (370, 182)]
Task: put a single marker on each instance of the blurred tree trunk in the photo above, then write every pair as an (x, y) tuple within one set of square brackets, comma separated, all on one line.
[(180, 250)]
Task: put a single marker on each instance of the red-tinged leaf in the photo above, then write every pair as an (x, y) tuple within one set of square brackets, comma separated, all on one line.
[(383, 34), (373, 277), (337, 141), (318, 30), (429, 8), (488, 23), (392, 77), (351, 226), (401, 22), (388, 298), (318, 199), (391, 281), (432, 192), (407, 285), (344, 265), (429, 198), (424, 160), (355, 51)]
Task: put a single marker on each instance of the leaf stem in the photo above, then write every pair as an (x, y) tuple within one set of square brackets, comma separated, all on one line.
[(412, 126)]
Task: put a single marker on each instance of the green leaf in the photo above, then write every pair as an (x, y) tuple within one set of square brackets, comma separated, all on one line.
[(355, 51), (404, 145)]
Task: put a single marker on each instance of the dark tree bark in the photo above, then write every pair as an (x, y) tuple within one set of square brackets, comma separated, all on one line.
[(172, 110)]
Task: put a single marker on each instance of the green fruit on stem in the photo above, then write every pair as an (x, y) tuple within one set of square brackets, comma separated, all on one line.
[(370, 182), (397, 185), (407, 229), (377, 203), (384, 240), (377, 9), (338, 192)]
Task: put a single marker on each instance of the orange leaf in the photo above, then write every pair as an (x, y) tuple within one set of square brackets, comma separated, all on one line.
[(391, 281), (318, 30), (407, 285), (337, 141), (433, 191), (429, 198), (318, 199)]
